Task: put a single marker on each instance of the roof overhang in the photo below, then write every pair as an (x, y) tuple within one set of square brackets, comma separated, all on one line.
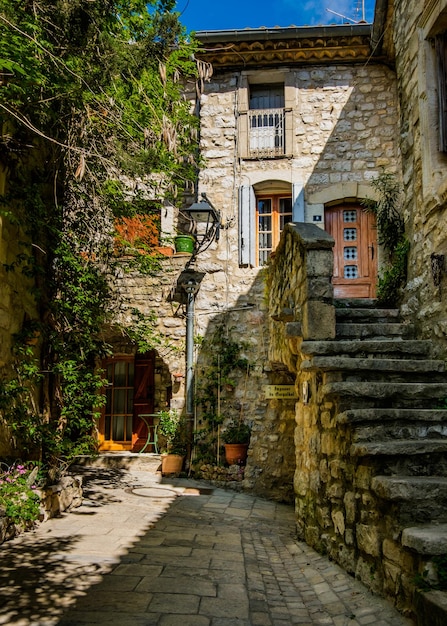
[(270, 47)]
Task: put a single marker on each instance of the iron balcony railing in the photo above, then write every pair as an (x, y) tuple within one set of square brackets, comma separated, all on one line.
[(266, 132)]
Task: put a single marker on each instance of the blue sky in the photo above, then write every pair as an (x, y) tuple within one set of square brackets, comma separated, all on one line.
[(228, 14)]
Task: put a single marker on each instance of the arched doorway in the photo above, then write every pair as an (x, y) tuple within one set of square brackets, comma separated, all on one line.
[(355, 250)]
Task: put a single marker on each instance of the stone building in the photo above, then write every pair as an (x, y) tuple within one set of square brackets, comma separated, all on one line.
[(295, 123)]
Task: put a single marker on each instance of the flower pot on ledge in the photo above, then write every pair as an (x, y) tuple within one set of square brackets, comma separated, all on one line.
[(184, 243), (236, 453)]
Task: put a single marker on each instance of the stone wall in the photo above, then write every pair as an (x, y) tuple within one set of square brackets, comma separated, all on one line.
[(423, 166)]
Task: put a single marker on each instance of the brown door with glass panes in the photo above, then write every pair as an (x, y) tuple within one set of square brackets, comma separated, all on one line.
[(355, 251), (129, 394), (273, 213)]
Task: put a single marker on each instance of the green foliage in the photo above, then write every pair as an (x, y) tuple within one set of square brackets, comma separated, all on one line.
[(391, 234), (91, 110), (223, 366), (237, 432), (423, 582), (18, 497), (394, 276), (172, 428)]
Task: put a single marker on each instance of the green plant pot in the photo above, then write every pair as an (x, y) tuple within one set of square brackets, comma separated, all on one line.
[(184, 243)]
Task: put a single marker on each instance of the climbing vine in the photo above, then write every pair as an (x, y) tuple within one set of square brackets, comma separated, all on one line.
[(95, 135), (391, 234)]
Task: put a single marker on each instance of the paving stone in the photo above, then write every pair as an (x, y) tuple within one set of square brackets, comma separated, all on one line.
[(221, 559)]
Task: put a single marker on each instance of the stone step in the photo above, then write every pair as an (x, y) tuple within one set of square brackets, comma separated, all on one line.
[(430, 539), (360, 416), (410, 488), (431, 607), (400, 430), (402, 392), (395, 448), (408, 348), (355, 303), (329, 363), (360, 331), (365, 316)]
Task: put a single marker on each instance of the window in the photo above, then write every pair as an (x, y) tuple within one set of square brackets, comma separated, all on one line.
[(273, 213), (263, 214), (266, 120)]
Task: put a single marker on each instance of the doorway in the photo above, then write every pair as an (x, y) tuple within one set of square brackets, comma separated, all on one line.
[(129, 394), (355, 250)]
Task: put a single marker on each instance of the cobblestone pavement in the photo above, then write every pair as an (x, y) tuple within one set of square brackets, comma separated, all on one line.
[(145, 551)]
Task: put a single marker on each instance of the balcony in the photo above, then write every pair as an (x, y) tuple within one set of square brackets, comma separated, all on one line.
[(266, 128)]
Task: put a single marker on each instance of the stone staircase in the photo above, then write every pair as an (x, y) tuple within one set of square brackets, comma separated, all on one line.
[(389, 394)]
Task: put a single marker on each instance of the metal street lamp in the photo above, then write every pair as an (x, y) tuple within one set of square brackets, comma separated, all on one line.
[(205, 223)]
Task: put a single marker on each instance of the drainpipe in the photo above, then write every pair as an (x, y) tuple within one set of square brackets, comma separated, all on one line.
[(191, 288)]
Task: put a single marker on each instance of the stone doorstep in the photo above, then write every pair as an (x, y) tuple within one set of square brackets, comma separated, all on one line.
[(429, 540), (414, 347), (331, 363), (356, 416), (410, 488)]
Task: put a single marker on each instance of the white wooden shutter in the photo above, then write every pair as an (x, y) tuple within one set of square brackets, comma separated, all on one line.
[(247, 226), (298, 202)]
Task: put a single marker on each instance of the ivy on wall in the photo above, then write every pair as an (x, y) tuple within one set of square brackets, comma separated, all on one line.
[(93, 128)]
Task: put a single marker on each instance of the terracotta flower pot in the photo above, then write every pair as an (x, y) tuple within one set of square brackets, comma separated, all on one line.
[(171, 464), (236, 453)]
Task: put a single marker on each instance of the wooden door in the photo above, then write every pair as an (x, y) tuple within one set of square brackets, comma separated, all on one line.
[(355, 251), (143, 397), (129, 393)]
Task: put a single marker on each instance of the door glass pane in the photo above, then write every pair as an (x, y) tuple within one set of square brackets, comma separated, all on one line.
[(130, 374), (351, 271), (350, 254), (350, 234), (119, 401), (120, 374), (118, 428), (350, 216), (108, 400)]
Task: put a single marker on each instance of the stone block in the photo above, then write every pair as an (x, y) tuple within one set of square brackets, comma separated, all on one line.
[(318, 320), (368, 539), (339, 522)]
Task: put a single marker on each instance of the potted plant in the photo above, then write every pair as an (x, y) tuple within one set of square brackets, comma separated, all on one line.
[(236, 437), (170, 427)]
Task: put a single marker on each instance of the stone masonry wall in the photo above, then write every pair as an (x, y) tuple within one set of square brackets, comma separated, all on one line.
[(423, 166)]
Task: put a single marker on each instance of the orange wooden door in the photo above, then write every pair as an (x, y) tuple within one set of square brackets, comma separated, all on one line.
[(143, 403), (355, 251)]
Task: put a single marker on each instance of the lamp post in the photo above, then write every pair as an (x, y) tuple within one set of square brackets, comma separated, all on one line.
[(205, 225)]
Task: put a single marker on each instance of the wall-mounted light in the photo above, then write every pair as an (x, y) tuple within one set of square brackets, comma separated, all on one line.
[(205, 223)]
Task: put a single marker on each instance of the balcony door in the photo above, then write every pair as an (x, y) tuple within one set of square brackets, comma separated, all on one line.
[(355, 251)]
